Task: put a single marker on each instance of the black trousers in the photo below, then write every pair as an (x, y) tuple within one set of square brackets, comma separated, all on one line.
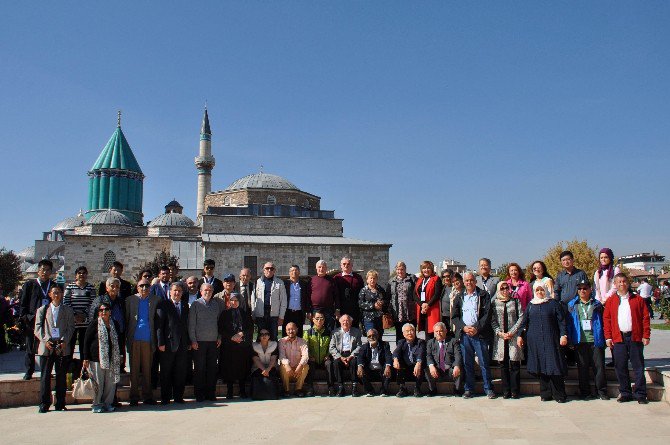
[(78, 336), (511, 374), (591, 357), (341, 371), (633, 351), (174, 366), (29, 360), (47, 364), (552, 386), (406, 373), (297, 317), (650, 306), (375, 375), (155, 363), (327, 365), (423, 321), (444, 376), (122, 349), (205, 374)]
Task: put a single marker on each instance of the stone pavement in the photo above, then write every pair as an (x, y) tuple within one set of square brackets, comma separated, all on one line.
[(363, 420)]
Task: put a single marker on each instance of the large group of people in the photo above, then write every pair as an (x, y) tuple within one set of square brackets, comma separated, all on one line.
[(201, 329)]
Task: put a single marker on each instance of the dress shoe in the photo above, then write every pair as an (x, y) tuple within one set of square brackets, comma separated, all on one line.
[(134, 403), (165, 402), (340, 391), (432, 393), (299, 393), (149, 402), (417, 392), (546, 399), (402, 392), (467, 395), (27, 376), (98, 410), (643, 401), (180, 401), (211, 398), (60, 408), (561, 400), (604, 397), (624, 399), (310, 393), (506, 395), (491, 395), (43, 409), (515, 395), (370, 394)]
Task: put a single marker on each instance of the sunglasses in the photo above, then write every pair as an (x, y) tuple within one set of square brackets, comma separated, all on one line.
[(269, 268), (504, 287), (372, 336)]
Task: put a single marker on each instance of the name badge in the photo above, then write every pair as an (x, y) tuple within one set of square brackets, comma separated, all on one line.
[(55, 332), (45, 301), (423, 295), (586, 325)]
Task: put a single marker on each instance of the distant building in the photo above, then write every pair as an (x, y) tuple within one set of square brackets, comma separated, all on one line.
[(651, 262), (454, 265)]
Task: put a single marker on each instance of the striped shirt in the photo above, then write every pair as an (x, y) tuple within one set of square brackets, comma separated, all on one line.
[(79, 299)]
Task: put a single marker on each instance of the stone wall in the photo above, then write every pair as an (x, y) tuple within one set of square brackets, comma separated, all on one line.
[(90, 251), (271, 225), (111, 229), (260, 196), (229, 257), (175, 231)]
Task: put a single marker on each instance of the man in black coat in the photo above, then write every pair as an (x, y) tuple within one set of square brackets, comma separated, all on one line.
[(298, 300), (409, 358), (444, 360), (125, 288), (470, 319), (34, 294), (208, 276), (348, 285), (173, 345), (374, 361)]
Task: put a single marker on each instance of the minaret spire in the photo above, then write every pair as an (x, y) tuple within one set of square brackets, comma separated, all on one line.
[(204, 163), (118, 119)]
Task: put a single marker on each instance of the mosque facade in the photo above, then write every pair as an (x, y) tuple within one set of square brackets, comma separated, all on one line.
[(258, 218)]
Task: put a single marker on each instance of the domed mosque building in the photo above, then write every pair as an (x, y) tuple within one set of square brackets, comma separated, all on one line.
[(258, 218)]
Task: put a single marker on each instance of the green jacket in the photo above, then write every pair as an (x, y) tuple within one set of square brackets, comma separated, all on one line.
[(317, 343)]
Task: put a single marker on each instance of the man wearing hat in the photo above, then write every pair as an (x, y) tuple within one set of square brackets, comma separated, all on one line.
[(586, 335)]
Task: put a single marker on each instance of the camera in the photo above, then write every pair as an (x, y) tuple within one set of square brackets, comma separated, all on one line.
[(56, 344)]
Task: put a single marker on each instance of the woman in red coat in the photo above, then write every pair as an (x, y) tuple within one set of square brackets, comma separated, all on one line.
[(427, 296)]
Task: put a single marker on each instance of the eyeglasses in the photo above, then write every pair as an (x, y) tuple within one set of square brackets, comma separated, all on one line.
[(268, 268), (319, 318), (582, 288), (209, 268), (142, 286)]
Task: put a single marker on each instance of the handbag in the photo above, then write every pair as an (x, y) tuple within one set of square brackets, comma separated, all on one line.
[(387, 321), (85, 387)]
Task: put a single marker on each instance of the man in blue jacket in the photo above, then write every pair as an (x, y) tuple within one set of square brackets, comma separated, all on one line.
[(586, 336)]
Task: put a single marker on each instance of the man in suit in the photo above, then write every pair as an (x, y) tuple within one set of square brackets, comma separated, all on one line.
[(470, 319), (173, 345), (345, 343), (297, 292), (246, 289), (374, 361), (54, 326), (209, 278), (409, 357), (141, 340), (162, 287), (443, 357), (115, 271), (268, 303), (348, 285), (34, 294)]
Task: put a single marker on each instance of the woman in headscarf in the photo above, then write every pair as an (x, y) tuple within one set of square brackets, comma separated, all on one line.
[(603, 278), (506, 320), (544, 329), (102, 358), (236, 349), (427, 294)]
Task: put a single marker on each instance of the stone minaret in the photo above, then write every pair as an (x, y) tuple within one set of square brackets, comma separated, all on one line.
[(204, 163)]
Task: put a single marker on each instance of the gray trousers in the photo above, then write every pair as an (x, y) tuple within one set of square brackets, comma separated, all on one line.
[(106, 386)]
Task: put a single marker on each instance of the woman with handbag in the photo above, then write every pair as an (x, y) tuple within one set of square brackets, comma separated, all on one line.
[(372, 302), (102, 358)]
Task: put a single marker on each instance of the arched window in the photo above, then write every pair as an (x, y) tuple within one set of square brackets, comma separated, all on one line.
[(107, 260), (272, 200), (226, 201)]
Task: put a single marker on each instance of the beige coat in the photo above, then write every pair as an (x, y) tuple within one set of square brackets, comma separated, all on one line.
[(44, 324)]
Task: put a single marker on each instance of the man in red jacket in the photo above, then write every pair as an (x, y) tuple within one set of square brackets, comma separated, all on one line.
[(626, 325)]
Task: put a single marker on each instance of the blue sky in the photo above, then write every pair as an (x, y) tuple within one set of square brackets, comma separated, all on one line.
[(450, 129)]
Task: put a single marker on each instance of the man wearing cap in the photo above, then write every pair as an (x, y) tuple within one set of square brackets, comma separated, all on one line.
[(627, 330), (586, 335), (268, 304)]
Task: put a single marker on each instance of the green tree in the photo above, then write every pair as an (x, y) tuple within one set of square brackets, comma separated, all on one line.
[(163, 258), (586, 257), (10, 271)]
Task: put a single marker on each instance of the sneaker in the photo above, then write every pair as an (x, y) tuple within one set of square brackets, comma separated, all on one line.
[(109, 409), (506, 395), (97, 410), (370, 394), (385, 394)]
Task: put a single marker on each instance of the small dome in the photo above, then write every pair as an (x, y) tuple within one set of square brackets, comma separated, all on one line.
[(27, 254), (110, 217), (173, 203), (32, 269), (262, 181), (70, 223), (172, 220)]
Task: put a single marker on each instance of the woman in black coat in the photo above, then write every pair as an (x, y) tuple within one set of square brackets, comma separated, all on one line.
[(544, 330), (236, 349)]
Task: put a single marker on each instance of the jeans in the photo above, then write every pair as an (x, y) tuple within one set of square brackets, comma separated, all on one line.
[(469, 347), (375, 323)]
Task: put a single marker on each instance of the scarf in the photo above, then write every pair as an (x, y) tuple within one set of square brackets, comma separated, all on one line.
[(536, 299), (499, 295), (609, 269), (109, 359)]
